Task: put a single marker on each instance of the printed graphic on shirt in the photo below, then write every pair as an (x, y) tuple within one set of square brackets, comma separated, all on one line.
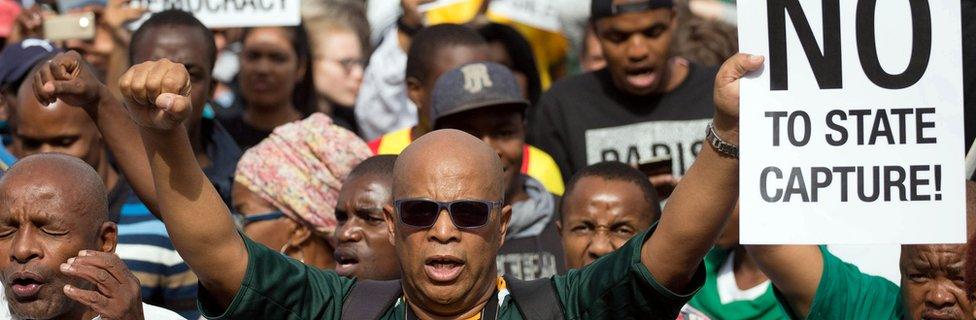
[(642, 142), (526, 266)]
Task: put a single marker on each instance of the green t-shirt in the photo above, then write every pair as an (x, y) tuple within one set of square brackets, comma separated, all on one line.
[(846, 293), (708, 301), (616, 286)]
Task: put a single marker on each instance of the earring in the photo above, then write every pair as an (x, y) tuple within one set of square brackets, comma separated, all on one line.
[(284, 249)]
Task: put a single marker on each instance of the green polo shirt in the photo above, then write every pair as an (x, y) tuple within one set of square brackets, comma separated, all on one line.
[(708, 301), (615, 286), (846, 293)]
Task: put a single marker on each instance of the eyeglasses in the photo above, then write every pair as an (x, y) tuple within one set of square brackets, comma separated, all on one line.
[(244, 220), (348, 64), (465, 214)]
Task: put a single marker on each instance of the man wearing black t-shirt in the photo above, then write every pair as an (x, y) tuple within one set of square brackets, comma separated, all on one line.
[(643, 106)]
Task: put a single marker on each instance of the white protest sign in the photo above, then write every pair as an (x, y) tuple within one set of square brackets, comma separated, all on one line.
[(852, 133), (233, 13)]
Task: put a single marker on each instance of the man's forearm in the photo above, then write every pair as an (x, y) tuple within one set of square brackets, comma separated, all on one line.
[(196, 218), (795, 270), (695, 215), (122, 137)]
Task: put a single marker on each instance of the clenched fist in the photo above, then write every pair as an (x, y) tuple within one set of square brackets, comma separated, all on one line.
[(157, 94), (69, 78), (726, 119)]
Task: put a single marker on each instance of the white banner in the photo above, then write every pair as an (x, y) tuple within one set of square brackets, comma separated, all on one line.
[(852, 133), (233, 13)]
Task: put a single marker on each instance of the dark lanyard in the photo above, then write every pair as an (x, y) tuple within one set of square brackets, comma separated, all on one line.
[(490, 312)]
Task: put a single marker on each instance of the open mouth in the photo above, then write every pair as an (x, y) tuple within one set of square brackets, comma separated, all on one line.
[(26, 285), (443, 269), (345, 263), (641, 77)]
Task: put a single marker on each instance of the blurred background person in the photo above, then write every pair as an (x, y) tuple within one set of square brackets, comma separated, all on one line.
[(16, 62), (287, 187), (735, 287), (339, 39), (509, 48), (275, 83), (591, 54), (434, 51), (363, 249)]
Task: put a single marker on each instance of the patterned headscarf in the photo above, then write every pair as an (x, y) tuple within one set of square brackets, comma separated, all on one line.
[(300, 167)]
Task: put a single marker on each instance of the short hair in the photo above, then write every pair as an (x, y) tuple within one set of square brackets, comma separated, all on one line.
[(520, 51), (704, 41), (381, 165), (428, 41), (174, 18), (616, 171)]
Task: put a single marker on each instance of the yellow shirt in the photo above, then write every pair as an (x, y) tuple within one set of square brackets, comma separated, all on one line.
[(549, 48), (535, 163)]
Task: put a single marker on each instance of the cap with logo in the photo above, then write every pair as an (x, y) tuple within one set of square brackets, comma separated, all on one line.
[(474, 86), (17, 59), (606, 8)]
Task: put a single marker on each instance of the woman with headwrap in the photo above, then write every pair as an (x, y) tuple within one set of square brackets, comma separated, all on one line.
[(286, 187)]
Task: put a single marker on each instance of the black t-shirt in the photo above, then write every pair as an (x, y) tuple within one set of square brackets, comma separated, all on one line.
[(535, 257), (585, 119), (245, 135)]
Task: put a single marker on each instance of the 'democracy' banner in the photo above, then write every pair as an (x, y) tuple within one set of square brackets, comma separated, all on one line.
[(852, 132), (233, 13)]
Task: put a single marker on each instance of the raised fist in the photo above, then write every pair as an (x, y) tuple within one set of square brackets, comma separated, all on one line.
[(157, 94), (726, 119), (69, 78)]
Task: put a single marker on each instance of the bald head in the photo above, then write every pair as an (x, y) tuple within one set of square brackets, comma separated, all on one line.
[(449, 153), (67, 181)]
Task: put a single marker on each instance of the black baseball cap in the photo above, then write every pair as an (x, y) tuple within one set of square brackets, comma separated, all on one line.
[(17, 59), (474, 86), (606, 8)]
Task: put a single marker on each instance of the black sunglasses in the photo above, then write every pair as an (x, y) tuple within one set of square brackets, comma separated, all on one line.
[(465, 214)]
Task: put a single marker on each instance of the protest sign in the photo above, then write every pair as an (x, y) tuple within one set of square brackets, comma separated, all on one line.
[(233, 13), (852, 132)]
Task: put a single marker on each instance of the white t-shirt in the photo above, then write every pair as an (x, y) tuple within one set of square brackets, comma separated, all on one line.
[(149, 312)]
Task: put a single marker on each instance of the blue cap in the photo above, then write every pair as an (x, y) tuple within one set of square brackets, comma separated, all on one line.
[(473, 86), (17, 59)]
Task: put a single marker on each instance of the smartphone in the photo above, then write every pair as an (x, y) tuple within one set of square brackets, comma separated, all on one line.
[(70, 26), (656, 166), (659, 166)]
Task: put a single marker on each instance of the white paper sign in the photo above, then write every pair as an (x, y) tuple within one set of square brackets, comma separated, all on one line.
[(852, 133), (233, 13)]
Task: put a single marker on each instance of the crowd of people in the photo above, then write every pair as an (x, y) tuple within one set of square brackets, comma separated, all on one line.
[(446, 163)]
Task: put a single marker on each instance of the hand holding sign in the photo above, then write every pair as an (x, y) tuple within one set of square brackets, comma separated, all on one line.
[(726, 120), (850, 137)]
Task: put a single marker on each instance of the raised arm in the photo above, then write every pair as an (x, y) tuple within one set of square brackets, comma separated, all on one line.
[(157, 98), (701, 204), (69, 78)]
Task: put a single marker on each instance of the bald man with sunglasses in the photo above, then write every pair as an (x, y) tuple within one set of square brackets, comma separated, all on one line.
[(446, 223)]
